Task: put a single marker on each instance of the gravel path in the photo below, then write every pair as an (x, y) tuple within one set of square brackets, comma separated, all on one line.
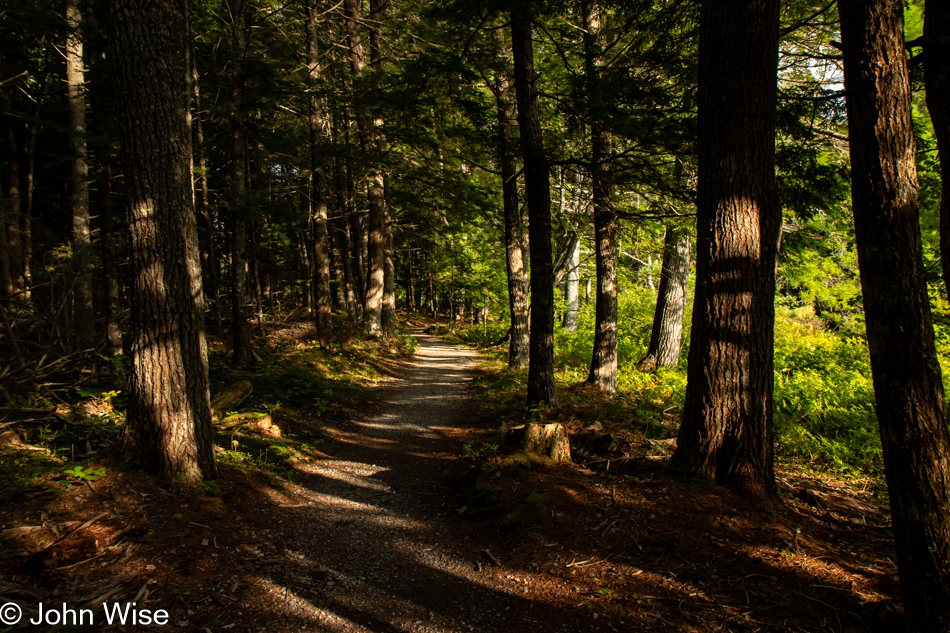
[(372, 548)]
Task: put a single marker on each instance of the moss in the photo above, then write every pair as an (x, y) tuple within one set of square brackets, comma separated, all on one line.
[(533, 510), (212, 489)]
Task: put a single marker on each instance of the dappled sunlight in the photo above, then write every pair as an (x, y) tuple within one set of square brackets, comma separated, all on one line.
[(352, 473)]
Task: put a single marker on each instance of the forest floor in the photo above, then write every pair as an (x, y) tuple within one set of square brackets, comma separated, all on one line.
[(396, 521)]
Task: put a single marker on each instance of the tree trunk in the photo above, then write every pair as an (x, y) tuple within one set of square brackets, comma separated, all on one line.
[(240, 328), (345, 212), (572, 285), (907, 382), (26, 233), (603, 364), (726, 431), (543, 442), (664, 350), (373, 310), (83, 314), (108, 239), (318, 201), (9, 210), (519, 341), (169, 417), (376, 8), (937, 81), (538, 194), (202, 201)]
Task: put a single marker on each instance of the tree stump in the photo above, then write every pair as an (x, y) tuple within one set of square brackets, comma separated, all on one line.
[(230, 399), (545, 441)]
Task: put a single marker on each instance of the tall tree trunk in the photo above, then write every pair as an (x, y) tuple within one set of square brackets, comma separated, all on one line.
[(373, 311), (664, 350), (9, 211), (110, 274), (603, 364), (376, 8), (26, 222), (83, 314), (907, 382), (240, 328), (337, 276), (572, 285), (345, 230), (103, 101), (726, 431), (211, 265), (169, 418), (354, 223), (538, 194), (937, 81), (519, 342), (318, 200)]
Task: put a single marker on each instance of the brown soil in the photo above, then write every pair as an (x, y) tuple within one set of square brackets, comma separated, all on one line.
[(394, 526)]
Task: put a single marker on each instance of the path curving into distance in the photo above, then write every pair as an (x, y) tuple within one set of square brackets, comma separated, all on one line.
[(369, 546)]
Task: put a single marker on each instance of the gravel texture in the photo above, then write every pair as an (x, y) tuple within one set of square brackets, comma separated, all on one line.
[(375, 547)]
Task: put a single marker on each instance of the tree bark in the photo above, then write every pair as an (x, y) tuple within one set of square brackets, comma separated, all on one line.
[(9, 217), (108, 240), (211, 265), (603, 365), (376, 8), (664, 349), (726, 431), (83, 314), (373, 309), (169, 417), (318, 201), (345, 213), (937, 81), (907, 380), (538, 194), (240, 328), (519, 341)]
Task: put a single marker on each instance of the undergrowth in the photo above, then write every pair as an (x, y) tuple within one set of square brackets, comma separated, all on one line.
[(298, 387), (824, 409)]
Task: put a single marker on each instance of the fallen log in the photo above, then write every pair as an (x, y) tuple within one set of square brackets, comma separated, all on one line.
[(230, 399), (840, 503)]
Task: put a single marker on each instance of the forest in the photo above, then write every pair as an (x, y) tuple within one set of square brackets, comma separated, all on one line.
[(695, 243)]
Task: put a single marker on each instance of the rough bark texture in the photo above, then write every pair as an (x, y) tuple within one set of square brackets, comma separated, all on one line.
[(937, 81), (538, 195), (240, 328), (518, 344), (318, 202), (169, 417), (376, 190), (83, 314), (664, 350), (907, 382), (211, 265), (344, 226), (109, 239), (9, 215), (544, 441), (388, 317), (726, 431), (603, 365)]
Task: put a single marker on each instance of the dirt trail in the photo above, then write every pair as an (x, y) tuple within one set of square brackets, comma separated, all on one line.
[(375, 547)]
